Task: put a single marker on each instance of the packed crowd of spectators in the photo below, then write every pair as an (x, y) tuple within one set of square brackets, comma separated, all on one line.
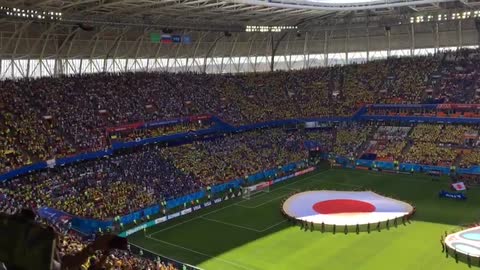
[(388, 142), (454, 134), (135, 179), (390, 151), (431, 153), (349, 139), (426, 133), (104, 188), (470, 180), (143, 133), (408, 78), (53, 117), (457, 78), (470, 157), (321, 139), (443, 145), (237, 155)]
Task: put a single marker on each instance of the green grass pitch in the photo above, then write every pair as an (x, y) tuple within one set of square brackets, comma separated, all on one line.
[(252, 234)]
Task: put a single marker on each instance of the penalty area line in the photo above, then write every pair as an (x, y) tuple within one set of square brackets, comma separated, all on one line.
[(273, 226), (231, 224), (200, 253), (293, 189), (283, 187), (163, 256), (265, 202), (190, 219), (244, 227)]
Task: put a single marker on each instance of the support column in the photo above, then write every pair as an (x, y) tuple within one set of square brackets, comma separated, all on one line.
[(347, 39), (194, 59), (274, 46), (179, 46), (287, 56), (249, 60), (460, 34), (306, 54), (325, 49), (114, 48), (389, 41), (412, 47), (209, 51), (368, 44)]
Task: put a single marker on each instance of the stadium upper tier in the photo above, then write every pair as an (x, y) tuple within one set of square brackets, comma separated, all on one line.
[(53, 117)]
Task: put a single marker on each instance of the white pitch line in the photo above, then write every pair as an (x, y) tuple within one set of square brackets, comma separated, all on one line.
[(266, 202), (274, 225), (163, 256), (308, 177), (231, 224), (265, 193), (293, 189), (191, 219), (282, 187), (201, 253), (175, 225), (342, 184), (243, 227), (230, 205)]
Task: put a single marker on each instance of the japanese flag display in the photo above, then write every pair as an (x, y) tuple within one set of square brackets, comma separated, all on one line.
[(459, 186), (344, 207), (465, 242)]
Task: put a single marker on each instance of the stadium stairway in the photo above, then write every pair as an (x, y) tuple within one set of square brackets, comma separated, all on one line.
[(406, 148), (26, 155), (436, 86), (365, 145), (457, 161)]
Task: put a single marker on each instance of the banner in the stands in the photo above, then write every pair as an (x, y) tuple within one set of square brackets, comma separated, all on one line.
[(281, 179), (260, 185), (302, 172), (157, 123), (160, 123), (168, 217), (53, 215), (186, 39), (199, 117), (402, 106), (452, 195), (449, 106), (166, 39), (176, 38), (125, 127)]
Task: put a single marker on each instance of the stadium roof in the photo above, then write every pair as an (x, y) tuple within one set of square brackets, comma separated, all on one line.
[(230, 15), (51, 37)]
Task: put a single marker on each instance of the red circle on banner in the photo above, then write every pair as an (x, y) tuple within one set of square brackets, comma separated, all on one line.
[(343, 206)]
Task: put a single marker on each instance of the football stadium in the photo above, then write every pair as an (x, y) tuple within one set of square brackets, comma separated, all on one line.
[(239, 134)]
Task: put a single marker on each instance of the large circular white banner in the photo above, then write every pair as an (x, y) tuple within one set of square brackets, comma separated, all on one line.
[(344, 207)]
